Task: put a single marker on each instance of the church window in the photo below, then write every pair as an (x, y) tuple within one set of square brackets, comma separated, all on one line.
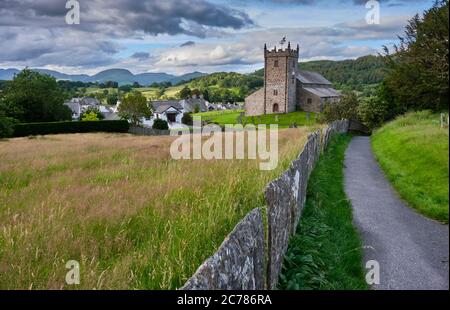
[(275, 92), (309, 100), (276, 64)]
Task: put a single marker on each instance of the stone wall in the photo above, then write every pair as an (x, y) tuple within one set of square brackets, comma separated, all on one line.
[(254, 104), (239, 262)]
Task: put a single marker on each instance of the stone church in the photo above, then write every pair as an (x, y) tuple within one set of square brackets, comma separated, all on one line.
[(286, 88)]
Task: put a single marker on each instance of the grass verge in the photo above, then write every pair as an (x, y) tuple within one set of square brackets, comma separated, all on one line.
[(326, 251), (413, 152)]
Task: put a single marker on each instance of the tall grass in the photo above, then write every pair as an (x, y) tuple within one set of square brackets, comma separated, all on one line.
[(133, 217), (413, 152)]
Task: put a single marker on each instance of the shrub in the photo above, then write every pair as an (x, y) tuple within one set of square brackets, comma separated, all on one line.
[(91, 114), (160, 124), (27, 129), (345, 108), (373, 111), (187, 119), (6, 126)]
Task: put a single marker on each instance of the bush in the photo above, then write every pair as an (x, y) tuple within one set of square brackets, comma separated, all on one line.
[(345, 108), (6, 126), (373, 111), (27, 129), (187, 119), (91, 114), (160, 124)]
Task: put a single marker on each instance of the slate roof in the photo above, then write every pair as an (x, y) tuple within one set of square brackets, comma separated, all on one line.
[(323, 92), (161, 106), (189, 104), (309, 77)]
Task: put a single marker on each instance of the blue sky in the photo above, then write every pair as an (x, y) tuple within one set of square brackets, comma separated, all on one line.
[(147, 36)]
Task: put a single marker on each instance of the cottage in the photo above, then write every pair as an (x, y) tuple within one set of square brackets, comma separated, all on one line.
[(287, 89)]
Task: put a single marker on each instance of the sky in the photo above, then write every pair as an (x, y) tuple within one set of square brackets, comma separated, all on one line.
[(181, 36)]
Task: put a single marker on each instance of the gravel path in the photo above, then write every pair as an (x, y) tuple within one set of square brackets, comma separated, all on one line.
[(412, 251)]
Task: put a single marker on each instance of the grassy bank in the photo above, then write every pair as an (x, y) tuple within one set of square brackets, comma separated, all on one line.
[(283, 120), (133, 217), (326, 252), (413, 152)]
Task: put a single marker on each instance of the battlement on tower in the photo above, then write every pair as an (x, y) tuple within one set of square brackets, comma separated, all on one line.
[(280, 52)]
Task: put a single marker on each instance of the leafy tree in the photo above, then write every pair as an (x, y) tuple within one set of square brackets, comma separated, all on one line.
[(345, 108), (185, 93), (91, 116), (126, 88), (136, 85), (196, 108), (112, 99), (418, 75), (33, 97), (134, 107), (91, 111), (6, 125), (373, 111)]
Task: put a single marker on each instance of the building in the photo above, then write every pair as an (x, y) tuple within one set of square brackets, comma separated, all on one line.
[(288, 89)]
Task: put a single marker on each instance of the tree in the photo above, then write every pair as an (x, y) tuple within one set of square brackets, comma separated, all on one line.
[(185, 93), (418, 75), (160, 124), (134, 107), (373, 111), (187, 119), (136, 85), (345, 108), (112, 99), (33, 97), (91, 116), (89, 112), (6, 125)]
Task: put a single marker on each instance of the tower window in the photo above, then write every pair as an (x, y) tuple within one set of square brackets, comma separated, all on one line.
[(275, 64), (275, 92)]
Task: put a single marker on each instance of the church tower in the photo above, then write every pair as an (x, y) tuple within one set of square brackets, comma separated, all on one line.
[(280, 79)]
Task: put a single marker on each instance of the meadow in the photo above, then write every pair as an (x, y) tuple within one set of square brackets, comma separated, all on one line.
[(118, 204), (299, 118), (413, 152)]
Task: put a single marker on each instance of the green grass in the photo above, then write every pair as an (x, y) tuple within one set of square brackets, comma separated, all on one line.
[(325, 252), (283, 120), (413, 152)]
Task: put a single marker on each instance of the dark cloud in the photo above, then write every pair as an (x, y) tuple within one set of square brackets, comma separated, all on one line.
[(141, 55), (188, 43)]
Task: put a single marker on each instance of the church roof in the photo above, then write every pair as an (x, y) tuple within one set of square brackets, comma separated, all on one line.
[(309, 77), (323, 92)]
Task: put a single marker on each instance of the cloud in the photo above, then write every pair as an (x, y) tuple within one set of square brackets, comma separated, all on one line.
[(141, 56), (188, 43)]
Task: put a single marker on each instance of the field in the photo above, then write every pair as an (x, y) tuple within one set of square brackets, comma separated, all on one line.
[(326, 251), (148, 92), (283, 120), (413, 152), (133, 217)]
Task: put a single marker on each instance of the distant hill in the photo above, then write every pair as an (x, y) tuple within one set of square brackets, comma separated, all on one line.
[(121, 76), (351, 73)]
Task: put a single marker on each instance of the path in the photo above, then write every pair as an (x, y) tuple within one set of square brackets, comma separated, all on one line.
[(412, 251)]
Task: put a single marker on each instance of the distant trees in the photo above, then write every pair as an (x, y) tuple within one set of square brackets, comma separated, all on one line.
[(112, 99), (185, 93), (418, 75), (134, 107), (34, 97)]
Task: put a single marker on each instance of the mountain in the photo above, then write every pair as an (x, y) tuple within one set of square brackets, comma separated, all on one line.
[(121, 76), (8, 74)]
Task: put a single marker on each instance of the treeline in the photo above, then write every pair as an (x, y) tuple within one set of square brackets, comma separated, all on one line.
[(416, 78), (226, 86), (351, 74)]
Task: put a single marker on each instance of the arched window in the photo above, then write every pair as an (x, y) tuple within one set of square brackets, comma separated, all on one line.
[(275, 107)]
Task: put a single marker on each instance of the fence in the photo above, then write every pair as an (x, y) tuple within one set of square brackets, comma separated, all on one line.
[(239, 263)]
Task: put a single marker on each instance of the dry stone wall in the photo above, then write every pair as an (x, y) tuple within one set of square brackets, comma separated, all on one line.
[(239, 264)]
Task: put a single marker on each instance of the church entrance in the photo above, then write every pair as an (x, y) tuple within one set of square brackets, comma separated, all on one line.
[(275, 108)]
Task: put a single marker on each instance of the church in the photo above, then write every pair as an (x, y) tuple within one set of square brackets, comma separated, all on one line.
[(288, 89)]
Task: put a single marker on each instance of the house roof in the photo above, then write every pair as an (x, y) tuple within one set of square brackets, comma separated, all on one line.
[(323, 92), (309, 77), (162, 106), (90, 101), (189, 104)]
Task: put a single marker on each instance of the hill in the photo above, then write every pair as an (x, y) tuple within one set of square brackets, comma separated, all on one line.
[(351, 73), (121, 76)]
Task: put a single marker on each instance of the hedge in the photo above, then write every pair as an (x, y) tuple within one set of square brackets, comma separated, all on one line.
[(30, 129)]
